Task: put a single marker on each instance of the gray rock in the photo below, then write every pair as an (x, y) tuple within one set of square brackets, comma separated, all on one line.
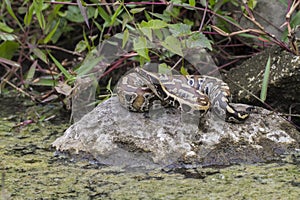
[(114, 136), (284, 79), (270, 14)]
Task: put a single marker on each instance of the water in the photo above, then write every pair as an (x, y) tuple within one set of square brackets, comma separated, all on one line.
[(30, 169)]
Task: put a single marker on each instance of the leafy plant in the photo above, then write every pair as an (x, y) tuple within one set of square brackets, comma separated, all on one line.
[(44, 44)]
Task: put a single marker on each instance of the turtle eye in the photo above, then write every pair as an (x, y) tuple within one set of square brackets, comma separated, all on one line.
[(191, 82)]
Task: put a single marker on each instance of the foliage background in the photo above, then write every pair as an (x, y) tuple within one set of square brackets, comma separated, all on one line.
[(45, 45)]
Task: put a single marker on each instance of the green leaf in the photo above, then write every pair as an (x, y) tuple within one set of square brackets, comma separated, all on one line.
[(45, 81), (104, 15), (116, 14), (147, 16), (163, 68), (252, 4), (161, 34), (264, 88), (126, 18), (86, 40), (125, 38), (140, 46), (61, 68), (50, 35), (88, 64), (38, 7), (137, 10), (28, 15), (173, 11), (80, 46), (180, 29), (172, 44), (5, 28), (98, 25), (7, 36), (154, 24), (147, 32), (164, 17), (183, 71), (62, 28), (40, 54), (30, 73), (188, 22), (197, 40), (8, 49), (192, 2), (295, 22), (108, 86), (74, 14), (11, 12)]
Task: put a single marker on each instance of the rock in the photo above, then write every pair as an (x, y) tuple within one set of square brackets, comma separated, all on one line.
[(265, 15), (284, 80), (114, 136), (284, 75)]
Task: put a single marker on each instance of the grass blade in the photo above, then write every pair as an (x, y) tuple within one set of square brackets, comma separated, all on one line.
[(263, 93), (12, 13), (30, 74), (83, 13), (61, 68), (52, 32)]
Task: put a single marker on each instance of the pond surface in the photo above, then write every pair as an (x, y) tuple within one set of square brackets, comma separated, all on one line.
[(31, 170)]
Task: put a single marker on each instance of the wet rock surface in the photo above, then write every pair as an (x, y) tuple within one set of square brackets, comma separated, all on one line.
[(114, 136)]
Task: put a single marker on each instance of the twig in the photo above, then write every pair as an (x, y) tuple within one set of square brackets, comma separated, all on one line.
[(271, 36), (177, 63), (9, 73), (59, 48), (291, 32), (203, 17), (19, 89), (291, 107), (223, 33)]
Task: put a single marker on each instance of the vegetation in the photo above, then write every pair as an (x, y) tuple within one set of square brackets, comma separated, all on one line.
[(46, 46)]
